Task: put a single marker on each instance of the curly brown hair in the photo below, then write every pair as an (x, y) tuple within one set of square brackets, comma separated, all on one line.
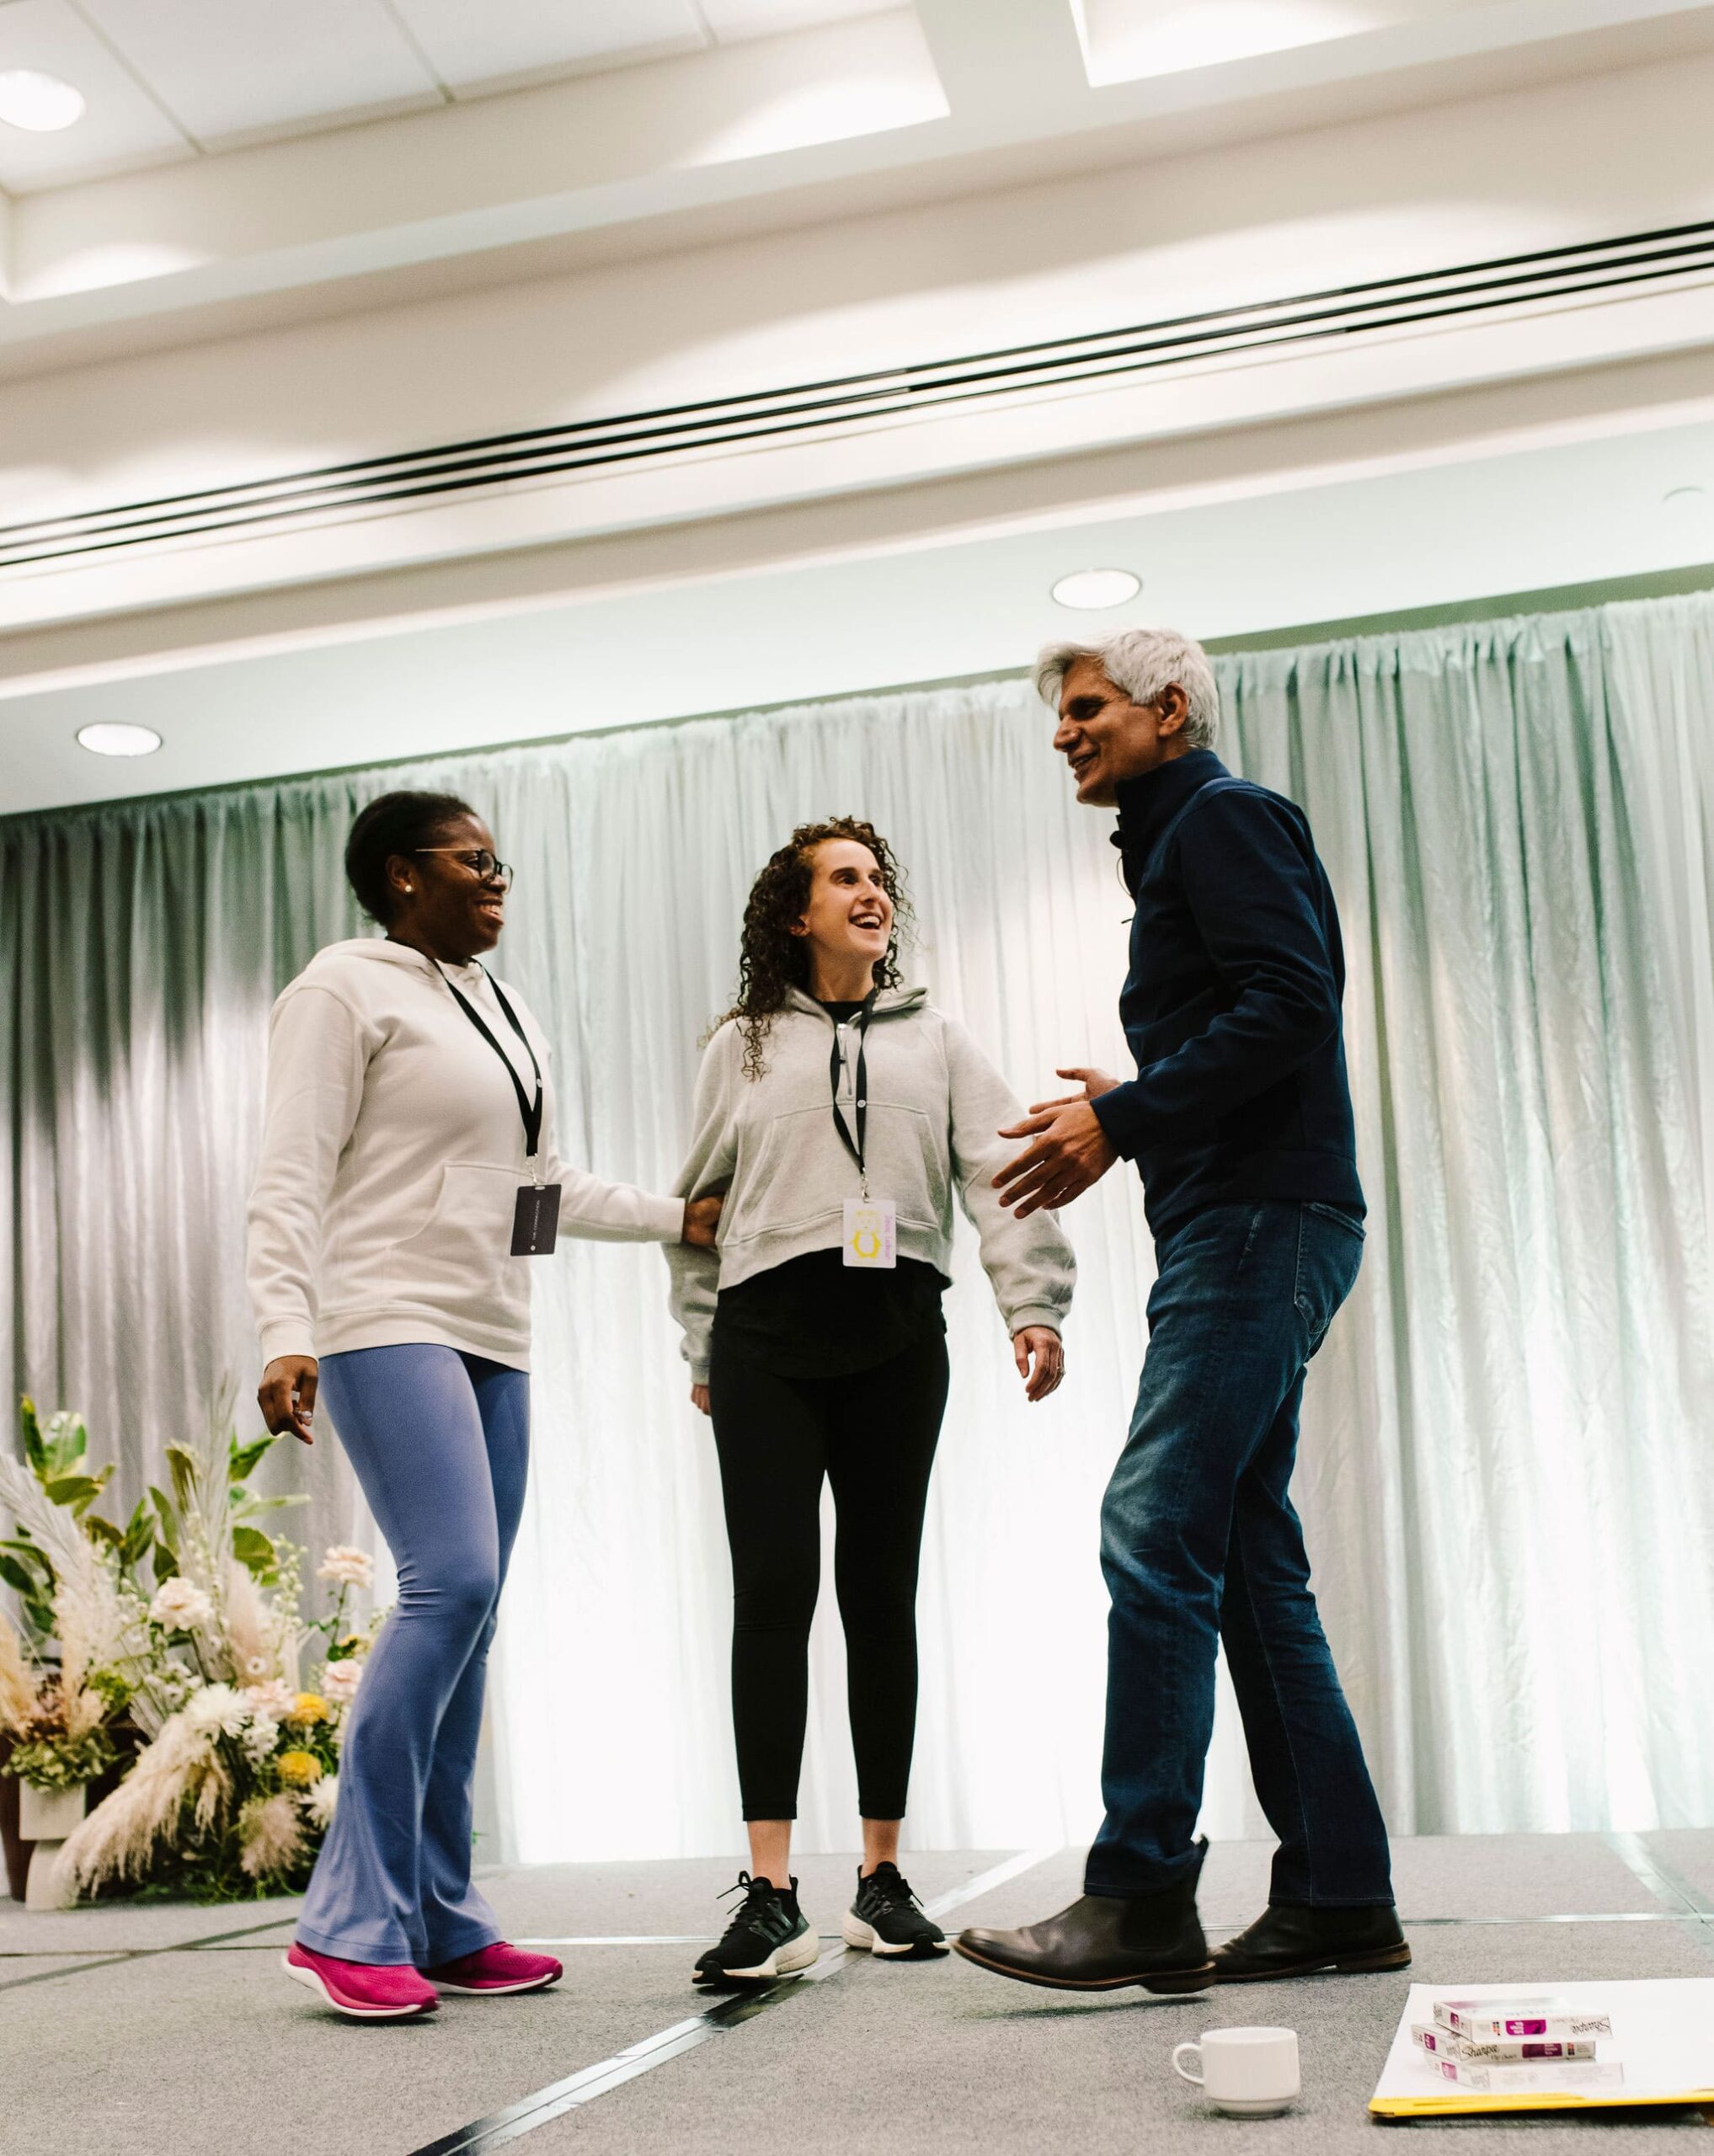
[(773, 961)]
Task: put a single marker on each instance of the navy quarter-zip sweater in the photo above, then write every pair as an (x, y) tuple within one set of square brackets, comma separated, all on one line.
[(1231, 1007)]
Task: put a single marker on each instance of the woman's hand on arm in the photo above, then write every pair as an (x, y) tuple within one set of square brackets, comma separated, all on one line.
[(1041, 1345), (286, 1396), (703, 1221), (699, 1398)]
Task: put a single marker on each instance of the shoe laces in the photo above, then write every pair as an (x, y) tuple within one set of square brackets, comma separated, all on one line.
[(889, 1885), (758, 1894)]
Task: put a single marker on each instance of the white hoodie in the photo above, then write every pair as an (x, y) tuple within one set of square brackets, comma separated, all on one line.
[(393, 1151)]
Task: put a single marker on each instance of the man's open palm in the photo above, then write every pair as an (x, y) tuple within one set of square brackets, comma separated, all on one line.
[(1070, 1152)]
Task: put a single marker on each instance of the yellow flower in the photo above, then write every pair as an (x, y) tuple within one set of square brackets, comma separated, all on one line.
[(309, 1707), (299, 1769)]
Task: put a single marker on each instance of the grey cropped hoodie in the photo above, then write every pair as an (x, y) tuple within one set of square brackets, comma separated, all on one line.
[(935, 1105)]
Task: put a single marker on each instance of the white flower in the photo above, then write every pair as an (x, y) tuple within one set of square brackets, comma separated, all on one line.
[(180, 1607), (217, 1710), (272, 1701), (320, 1800), (256, 1667), (260, 1739), (350, 1567), (340, 1681)]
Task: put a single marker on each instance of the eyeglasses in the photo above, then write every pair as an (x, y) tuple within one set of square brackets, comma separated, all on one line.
[(481, 863)]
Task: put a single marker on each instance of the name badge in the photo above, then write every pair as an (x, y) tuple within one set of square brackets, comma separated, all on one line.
[(535, 1222), (871, 1231)]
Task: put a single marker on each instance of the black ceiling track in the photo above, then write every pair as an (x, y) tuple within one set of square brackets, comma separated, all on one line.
[(848, 401)]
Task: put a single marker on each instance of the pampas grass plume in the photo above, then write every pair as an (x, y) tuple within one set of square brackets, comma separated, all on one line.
[(271, 1833), (121, 1834), (18, 1687)]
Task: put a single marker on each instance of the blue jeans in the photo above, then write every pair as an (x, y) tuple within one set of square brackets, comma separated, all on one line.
[(1200, 1543), (440, 1445)]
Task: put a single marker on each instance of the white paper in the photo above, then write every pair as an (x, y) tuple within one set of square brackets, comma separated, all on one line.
[(1662, 2036)]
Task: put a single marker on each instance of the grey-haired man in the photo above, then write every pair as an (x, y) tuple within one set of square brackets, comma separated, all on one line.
[(1239, 1121)]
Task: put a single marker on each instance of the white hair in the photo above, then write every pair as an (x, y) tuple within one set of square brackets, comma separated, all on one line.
[(1142, 662)]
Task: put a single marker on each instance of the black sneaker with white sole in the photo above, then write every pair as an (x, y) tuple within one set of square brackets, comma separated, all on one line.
[(769, 1937), (887, 1917)]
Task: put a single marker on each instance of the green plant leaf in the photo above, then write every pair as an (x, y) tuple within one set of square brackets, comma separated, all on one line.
[(183, 1476), (26, 1554), (20, 1581), (103, 1530), (252, 1508), (167, 1514), (253, 1548), (34, 1453), (75, 1491), (166, 1564), (67, 1442), (243, 1458), (139, 1536)]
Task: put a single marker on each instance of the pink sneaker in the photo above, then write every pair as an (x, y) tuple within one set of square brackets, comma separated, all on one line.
[(498, 1968), (367, 1991)]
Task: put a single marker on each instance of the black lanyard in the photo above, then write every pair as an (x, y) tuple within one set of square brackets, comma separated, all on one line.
[(530, 1110), (854, 1146)]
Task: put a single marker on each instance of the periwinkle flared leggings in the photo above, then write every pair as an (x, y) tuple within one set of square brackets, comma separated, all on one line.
[(440, 1445)]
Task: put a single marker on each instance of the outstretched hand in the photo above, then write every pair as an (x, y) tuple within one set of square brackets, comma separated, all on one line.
[(1071, 1150)]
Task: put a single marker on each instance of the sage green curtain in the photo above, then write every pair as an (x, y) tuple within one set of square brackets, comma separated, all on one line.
[(1507, 1481)]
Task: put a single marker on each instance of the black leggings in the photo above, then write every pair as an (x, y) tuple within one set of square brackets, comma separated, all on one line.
[(873, 1435)]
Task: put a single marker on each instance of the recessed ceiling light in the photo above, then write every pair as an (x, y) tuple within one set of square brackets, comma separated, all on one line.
[(109, 739), (1097, 587), (40, 103)]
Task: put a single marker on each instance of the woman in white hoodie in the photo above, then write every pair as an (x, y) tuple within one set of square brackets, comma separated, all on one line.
[(407, 1172), (839, 1114)]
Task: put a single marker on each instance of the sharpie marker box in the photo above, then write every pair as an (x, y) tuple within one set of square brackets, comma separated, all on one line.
[(1549, 2020), (1571, 2077), (1500, 2051)]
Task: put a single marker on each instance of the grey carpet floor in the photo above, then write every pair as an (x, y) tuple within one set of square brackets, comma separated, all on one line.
[(196, 2049), (945, 2058), (622, 1900), (1689, 1852)]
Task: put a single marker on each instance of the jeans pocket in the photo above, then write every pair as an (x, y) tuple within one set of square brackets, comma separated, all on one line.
[(1329, 1252)]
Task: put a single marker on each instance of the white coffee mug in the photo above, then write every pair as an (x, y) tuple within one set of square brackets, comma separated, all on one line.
[(1250, 2072)]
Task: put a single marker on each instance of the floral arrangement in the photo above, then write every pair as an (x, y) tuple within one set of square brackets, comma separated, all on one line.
[(242, 1701), (66, 1678)]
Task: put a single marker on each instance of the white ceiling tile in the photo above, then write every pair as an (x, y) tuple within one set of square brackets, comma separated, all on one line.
[(236, 67), (732, 19), (121, 125), (500, 40)]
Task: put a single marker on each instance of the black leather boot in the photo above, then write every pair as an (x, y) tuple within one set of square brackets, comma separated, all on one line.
[(1104, 1942), (1284, 1941)]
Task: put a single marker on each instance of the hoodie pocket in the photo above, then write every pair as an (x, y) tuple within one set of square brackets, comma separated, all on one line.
[(459, 1254)]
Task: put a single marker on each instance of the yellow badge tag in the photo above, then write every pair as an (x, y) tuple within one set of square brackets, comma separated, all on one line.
[(871, 1231)]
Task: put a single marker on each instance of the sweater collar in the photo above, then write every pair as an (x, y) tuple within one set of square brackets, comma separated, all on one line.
[(1146, 805)]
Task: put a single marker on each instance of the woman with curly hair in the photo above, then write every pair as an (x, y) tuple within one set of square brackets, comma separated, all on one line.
[(839, 1112)]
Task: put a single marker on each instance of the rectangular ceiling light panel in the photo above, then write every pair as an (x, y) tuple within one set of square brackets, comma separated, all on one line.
[(121, 125), (497, 42), (228, 68)]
